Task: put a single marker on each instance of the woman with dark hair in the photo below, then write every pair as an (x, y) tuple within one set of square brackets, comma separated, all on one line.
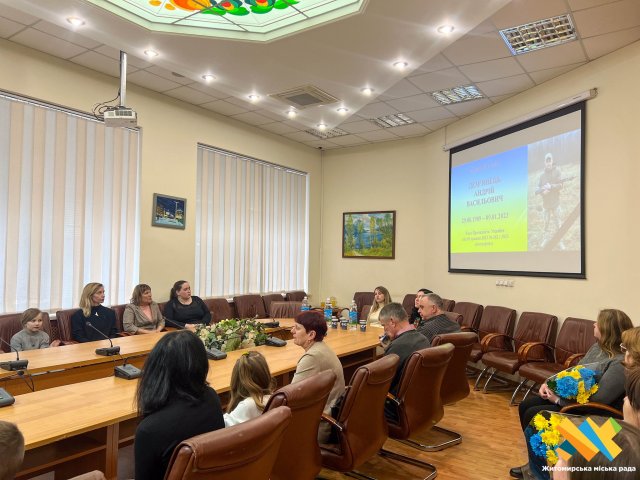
[(175, 401), (92, 310), (142, 315), (308, 332), (415, 314), (185, 309)]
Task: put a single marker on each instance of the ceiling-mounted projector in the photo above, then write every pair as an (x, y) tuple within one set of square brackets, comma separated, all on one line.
[(120, 117)]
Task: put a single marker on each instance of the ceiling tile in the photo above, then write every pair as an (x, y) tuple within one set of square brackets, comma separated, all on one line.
[(98, 62), (9, 27), (321, 143), (413, 130), (417, 102), (379, 135), (301, 136), (438, 124), (18, 15), (430, 114), (500, 98), (252, 118), (436, 63), (430, 82), (358, 127), (467, 108), (518, 12), (492, 69), (168, 75), (47, 43), (208, 89), (608, 18), (190, 95), (64, 34), (348, 140), (149, 80), (551, 57), (604, 44), (223, 107), (503, 86), (243, 103), (374, 110), (582, 4), (277, 116), (544, 75), (279, 128), (477, 48), (115, 54), (403, 88)]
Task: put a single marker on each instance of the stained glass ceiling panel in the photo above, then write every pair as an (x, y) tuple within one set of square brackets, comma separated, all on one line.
[(260, 20)]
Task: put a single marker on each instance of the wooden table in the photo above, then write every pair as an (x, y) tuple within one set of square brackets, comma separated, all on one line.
[(79, 427)]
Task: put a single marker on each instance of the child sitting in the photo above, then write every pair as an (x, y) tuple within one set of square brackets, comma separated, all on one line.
[(32, 337)]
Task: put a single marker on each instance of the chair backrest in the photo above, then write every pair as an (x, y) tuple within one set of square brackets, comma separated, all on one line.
[(248, 306), (10, 325), (296, 295), (272, 297), (119, 309), (497, 320), (454, 317), (306, 399), (220, 309), (471, 314), (448, 305), (419, 391), (247, 450), (455, 385), (285, 309), (63, 319), (362, 299), (536, 327), (575, 336), (365, 312), (362, 413), (408, 302)]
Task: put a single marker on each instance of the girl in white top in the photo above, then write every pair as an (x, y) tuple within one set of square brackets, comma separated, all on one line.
[(380, 299), (251, 387)]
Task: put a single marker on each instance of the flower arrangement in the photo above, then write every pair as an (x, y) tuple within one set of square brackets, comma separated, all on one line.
[(577, 383), (232, 334), (546, 438)]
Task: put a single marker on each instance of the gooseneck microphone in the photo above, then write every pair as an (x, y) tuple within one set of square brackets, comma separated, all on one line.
[(107, 351), (16, 364), (212, 353)]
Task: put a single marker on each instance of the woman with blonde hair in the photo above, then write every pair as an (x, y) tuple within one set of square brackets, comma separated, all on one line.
[(251, 387), (381, 298), (142, 315), (92, 311)]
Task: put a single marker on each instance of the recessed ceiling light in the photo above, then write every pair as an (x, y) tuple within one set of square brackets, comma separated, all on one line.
[(366, 91), (334, 132), (75, 21), (400, 65), (207, 77), (322, 127), (540, 34), (457, 94), (342, 110), (445, 29), (291, 113), (395, 120), (254, 97), (150, 53)]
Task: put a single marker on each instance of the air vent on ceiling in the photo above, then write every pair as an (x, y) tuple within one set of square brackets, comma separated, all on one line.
[(304, 97)]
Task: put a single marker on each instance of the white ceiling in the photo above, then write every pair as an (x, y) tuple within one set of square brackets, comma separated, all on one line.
[(340, 58)]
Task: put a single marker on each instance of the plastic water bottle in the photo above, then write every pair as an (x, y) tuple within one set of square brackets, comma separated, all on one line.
[(328, 311), (353, 315), (305, 305)]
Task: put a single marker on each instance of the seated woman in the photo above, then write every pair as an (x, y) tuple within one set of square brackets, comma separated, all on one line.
[(174, 401), (308, 333), (380, 299), (92, 310), (184, 309), (142, 315), (251, 387), (607, 354), (31, 337)]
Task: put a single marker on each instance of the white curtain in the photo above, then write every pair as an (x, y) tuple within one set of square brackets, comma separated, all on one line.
[(251, 226), (69, 192)]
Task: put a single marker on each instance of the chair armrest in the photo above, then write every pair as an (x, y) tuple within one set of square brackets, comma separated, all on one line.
[(523, 351), (572, 358), (592, 405), (332, 421), (468, 329), (484, 344), (124, 334)]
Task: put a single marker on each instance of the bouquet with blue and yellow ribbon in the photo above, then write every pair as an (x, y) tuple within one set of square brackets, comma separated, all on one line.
[(576, 383)]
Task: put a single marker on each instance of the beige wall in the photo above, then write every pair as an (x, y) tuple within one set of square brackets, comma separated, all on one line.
[(411, 176), (171, 130)]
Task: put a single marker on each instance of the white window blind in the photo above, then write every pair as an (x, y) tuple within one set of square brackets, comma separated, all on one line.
[(251, 226), (68, 207)]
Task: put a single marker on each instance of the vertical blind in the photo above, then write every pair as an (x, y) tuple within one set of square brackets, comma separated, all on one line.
[(69, 211), (251, 226)]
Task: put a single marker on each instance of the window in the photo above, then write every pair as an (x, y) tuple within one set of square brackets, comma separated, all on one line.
[(251, 226), (68, 206)]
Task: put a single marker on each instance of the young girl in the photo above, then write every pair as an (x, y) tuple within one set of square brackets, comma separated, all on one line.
[(380, 299), (251, 387), (32, 337)]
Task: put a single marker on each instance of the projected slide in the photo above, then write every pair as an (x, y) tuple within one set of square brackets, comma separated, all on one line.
[(515, 200)]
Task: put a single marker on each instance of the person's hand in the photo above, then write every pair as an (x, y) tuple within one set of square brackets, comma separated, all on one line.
[(55, 343), (190, 326), (545, 391)]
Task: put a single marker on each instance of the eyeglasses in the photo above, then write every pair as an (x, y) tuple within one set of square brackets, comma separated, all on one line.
[(623, 349)]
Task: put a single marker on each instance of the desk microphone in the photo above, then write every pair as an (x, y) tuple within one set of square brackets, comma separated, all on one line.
[(16, 364), (212, 353), (108, 351)]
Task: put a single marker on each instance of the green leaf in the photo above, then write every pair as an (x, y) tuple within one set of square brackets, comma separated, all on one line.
[(260, 10), (214, 11), (240, 12), (281, 4)]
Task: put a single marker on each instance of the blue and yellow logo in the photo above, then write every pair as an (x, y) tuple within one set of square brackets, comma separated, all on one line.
[(588, 439)]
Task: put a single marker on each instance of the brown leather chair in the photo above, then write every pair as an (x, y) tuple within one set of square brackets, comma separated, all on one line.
[(418, 404), (574, 339), (119, 309), (362, 299), (448, 305), (495, 320), (295, 296), (220, 309), (248, 306), (272, 297), (285, 309), (455, 317), (306, 399), (10, 324), (471, 314), (247, 450), (408, 302), (63, 318), (360, 424), (533, 328), (455, 386), (365, 312)]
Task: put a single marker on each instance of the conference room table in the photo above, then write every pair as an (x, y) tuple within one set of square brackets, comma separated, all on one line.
[(78, 427)]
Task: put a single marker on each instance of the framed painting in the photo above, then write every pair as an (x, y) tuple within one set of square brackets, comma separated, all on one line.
[(168, 211), (369, 234)]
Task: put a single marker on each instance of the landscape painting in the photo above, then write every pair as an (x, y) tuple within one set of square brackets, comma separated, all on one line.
[(168, 212), (369, 234)]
